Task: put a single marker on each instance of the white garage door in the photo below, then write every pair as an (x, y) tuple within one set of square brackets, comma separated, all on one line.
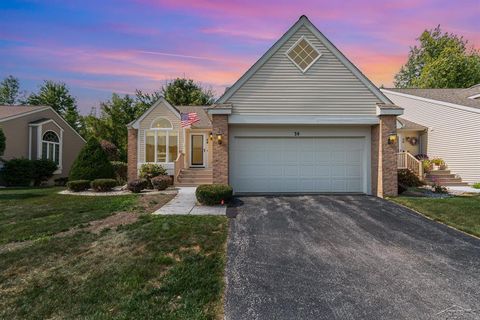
[(297, 164)]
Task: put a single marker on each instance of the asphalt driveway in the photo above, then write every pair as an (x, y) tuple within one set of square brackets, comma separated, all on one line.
[(346, 257)]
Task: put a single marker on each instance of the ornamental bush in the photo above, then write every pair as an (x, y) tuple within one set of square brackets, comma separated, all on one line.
[(120, 168), (103, 185), (212, 194), (407, 178), (137, 185), (17, 172), (92, 163), (43, 170), (161, 182), (150, 170), (78, 185)]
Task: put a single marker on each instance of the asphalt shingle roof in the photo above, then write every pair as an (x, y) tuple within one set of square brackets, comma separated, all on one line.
[(456, 96), (10, 111), (204, 122)]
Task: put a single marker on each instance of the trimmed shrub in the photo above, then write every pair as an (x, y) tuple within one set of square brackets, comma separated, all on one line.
[(161, 182), (43, 170), (408, 179), (78, 185), (476, 185), (92, 163), (212, 194), (111, 150), (120, 168), (17, 172), (150, 170), (2, 142), (103, 185), (137, 185), (60, 182)]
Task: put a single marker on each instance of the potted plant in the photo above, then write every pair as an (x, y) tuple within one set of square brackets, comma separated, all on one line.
[(437, 163)]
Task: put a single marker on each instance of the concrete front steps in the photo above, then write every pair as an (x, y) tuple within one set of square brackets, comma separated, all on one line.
[(444, 178), (193, 177)]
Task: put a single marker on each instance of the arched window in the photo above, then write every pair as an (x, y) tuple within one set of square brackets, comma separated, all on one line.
[(161, 142), (161, 123), (51, 147)]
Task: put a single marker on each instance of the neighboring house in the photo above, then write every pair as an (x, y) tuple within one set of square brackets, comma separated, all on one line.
[(38, 132), (302, 119), (449, 124)]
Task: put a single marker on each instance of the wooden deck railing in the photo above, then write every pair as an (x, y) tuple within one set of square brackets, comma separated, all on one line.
[(178, 165), (405, 160)]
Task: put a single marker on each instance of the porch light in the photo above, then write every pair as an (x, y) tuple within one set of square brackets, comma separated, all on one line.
[(219, 138), (211, 136), (392, 137)]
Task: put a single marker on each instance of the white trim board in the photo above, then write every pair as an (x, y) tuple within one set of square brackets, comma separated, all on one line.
[(443, 103), (303, 21), (295, 119)]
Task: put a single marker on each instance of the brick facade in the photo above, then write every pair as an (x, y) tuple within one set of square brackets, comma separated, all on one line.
[(384, 158), (220, 151), (132, 154)]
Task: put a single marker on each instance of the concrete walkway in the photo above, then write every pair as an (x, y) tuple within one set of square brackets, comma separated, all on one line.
[(185, 203)]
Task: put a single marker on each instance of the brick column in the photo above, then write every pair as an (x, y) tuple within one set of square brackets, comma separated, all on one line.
[(384, 158), (220, 151), (132, 154)]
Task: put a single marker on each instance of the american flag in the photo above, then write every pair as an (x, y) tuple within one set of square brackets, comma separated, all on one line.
[(187, 119)]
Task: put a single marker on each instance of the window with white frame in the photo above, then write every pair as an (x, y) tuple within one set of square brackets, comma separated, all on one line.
[(51, 147), (303, 54), (161, 142)]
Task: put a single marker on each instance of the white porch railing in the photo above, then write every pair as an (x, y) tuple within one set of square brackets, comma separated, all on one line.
[(405, 160), (178, 165)]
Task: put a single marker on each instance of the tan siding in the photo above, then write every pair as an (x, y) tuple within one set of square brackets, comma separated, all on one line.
[(327, 88), (16, 131), (160, 111), (452, 135)]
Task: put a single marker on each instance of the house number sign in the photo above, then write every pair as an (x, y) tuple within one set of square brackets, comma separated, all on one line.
[(296, 133)]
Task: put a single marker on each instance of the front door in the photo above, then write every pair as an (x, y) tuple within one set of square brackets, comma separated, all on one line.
[(197, 150)]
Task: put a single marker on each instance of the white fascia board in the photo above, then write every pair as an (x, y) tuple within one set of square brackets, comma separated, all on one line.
[(442, 103), (220, 111), (389, 112), (295, 119)]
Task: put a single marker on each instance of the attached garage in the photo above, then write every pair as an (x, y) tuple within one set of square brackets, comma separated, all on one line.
[(306, 159)]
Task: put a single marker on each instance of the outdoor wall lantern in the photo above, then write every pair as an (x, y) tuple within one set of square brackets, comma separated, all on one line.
[(211, 136), (219, 138), (392, 137)]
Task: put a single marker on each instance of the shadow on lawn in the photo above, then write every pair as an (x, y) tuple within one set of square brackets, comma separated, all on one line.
[(20, 196)]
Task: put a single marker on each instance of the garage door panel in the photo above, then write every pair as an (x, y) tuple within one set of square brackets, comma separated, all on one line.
[(312, 164)]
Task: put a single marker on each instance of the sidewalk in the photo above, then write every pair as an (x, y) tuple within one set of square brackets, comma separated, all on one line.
[(185, 203)]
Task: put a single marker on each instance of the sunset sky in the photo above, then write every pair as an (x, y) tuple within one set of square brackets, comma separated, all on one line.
[(100, 47)]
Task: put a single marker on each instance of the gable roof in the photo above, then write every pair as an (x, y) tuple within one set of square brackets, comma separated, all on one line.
[(11, 112), (409, 125), (455, 96), (136, 123), (303, 21)]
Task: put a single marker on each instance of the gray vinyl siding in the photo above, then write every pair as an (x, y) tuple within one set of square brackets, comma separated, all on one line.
[(452, 135), (327, 88)]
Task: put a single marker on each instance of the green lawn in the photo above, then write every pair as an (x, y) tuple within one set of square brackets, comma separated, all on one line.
[(461, 212), (155, 268)]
